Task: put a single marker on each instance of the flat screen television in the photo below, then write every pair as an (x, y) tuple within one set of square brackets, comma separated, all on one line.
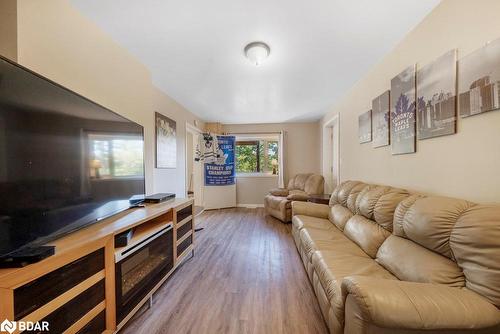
[(65, 161)]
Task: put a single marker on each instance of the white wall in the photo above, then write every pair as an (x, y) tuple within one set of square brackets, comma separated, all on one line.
[(463, 165), (189, 159), (55, 40), (302, 155), (173, 180), (251, 190), (8, 29)]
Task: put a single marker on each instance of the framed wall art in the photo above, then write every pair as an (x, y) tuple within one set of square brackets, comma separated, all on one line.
[(166, 142), (479, 80), (436, 97), (365, 127), (403, 112), (381, 119)]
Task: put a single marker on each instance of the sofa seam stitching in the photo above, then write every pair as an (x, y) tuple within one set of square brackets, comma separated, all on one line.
[(405, 213), (451, 232), (411, 301), (388, 190)]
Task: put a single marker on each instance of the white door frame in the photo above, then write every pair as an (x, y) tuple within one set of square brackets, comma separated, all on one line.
[(334, 151), (192, 130)]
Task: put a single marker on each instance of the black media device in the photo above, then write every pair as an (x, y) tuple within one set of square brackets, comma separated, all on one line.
[(122, 239), (136, 200), (158, 198), (65, 162), (27, 255)]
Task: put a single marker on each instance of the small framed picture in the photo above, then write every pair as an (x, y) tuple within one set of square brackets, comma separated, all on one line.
[(166, 142)]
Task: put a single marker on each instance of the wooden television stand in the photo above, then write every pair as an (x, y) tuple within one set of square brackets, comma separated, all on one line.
[(78, 290)]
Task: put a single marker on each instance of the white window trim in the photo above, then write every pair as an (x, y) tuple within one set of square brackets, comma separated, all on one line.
[(262, 174)]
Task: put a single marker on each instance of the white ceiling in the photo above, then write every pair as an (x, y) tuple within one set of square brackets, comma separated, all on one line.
[(319, 49)]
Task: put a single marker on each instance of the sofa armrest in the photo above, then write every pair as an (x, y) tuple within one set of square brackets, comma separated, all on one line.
[(298, 197), (282, 192), (310, 209), (416, 306)]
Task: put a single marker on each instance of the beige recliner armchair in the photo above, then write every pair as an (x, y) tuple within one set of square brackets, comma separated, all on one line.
[(279, 201)]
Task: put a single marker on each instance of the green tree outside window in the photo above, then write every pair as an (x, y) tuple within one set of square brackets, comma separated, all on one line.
[(256, 156)]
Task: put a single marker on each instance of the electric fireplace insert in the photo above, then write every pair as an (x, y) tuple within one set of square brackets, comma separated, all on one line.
[(140, 268)]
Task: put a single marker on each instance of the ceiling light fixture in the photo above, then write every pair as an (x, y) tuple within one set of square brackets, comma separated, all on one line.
[(257, 52)]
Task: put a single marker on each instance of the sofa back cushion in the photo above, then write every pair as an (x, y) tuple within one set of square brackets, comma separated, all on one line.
[(343, 202), (307, 182), (300, 181), (368, 235), (410, 262), (374, 212), (340, 215), (456, 235), (315, 184), (379, 204), (346, 190), (475, 243)]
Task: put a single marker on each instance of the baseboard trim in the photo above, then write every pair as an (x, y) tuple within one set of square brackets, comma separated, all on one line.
[(250, 206)]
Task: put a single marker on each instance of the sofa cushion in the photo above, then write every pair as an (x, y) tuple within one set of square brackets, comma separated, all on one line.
[(464, 232), (297, 195), (314, 184), (316, 238), (310, 209), (279, 192), (475, 243), (299, 182), (400, 213), (366, 234), (301, 221), (378, 203), (339, 215), (342, 192), (332, 266), (406, 307), (430, 221), (418, 264)]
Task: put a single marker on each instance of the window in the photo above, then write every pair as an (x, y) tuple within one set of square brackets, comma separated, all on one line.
[(115, 156), (257, 156)]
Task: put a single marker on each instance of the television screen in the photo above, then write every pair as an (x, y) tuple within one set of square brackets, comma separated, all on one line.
[(65, 162)]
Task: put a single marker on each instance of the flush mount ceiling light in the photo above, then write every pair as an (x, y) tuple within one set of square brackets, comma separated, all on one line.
[(257, 52)]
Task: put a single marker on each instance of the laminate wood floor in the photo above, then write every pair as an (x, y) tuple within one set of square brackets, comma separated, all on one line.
[(246, 277)]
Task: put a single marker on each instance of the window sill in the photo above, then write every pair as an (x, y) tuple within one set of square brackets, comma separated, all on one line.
[(248, 175), (116, 178)]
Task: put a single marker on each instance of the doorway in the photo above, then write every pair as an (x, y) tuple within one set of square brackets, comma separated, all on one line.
[(331, 153), (194, 170)]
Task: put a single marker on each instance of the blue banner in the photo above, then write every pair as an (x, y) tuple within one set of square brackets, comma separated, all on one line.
[(222, 172)]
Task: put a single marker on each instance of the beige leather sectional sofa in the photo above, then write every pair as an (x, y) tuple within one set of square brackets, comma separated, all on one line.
[(382, 260), (278, 203)]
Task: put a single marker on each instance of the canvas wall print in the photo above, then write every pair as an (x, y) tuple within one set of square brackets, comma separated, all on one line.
[(380, 120), (479, 80), (365, 127), (436, 97), (166, 142), (403, 112)]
